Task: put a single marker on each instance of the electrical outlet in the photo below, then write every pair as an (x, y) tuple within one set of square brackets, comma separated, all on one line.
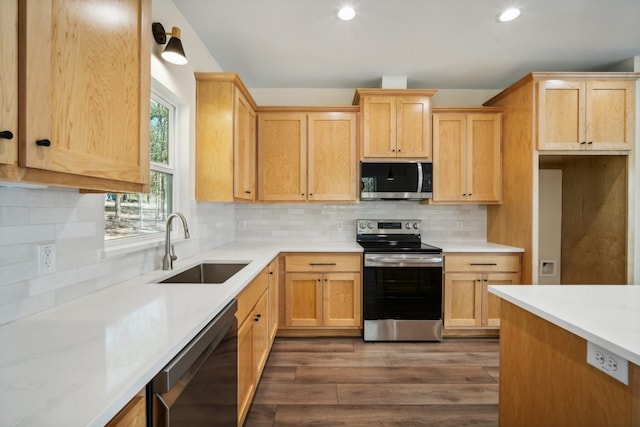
[(47, 259), (608, 362), (340, 225)]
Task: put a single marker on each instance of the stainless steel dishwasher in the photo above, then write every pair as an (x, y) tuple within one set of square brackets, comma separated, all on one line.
[(199, 386)]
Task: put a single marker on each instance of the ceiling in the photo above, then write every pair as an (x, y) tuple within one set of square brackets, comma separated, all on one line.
[(438, 44)]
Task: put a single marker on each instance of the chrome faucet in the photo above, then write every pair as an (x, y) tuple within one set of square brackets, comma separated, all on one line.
[(169, 252)]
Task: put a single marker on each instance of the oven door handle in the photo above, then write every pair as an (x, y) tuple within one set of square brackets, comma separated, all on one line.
[(402, 261)]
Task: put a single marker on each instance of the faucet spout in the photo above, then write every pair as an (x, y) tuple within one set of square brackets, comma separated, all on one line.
[(169, 254)]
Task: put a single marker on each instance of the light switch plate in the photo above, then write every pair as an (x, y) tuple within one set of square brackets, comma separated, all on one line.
[(608, 362)]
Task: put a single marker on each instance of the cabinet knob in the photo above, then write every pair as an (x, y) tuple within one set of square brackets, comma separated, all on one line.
[(257, 318), (590, 142), (247, 192), (583, 142), (43, 143), (6, 134)]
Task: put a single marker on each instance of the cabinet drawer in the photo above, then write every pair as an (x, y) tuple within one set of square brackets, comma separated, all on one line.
[(482, 262), (323, 262), (251, 294)]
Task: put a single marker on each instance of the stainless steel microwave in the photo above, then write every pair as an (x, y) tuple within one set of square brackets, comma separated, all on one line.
[(396, 180)]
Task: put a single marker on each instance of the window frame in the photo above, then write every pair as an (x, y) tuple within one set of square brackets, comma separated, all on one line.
[(160, 95)]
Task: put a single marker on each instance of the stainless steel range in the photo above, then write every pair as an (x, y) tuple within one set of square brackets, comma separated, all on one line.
[(402, 282)]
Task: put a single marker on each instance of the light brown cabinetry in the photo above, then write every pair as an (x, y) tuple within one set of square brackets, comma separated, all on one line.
[(307, 155), (225, 138), (395, 123), (274, 298), (577, 114), (322, 291), (467, 161), (132, 415), (467, 302), (253, 339), (83, 95), (9, 82)]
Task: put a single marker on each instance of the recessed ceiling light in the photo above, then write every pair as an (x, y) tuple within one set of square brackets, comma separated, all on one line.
[(509, 15), (346, 13)]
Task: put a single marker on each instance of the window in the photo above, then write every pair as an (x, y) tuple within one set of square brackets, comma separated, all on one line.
[(137, 214)]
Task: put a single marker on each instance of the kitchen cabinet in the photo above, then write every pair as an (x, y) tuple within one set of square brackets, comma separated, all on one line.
[(467, 302), (274, 298), (133, 414), (225, 139), (395, 123), (577, 114), (9, 82), (253, 339), (467, 161), (307, 155), (515, 221), (83, 95), (323, 291)]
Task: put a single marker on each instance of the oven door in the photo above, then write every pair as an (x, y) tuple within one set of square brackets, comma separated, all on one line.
[(402, 286)]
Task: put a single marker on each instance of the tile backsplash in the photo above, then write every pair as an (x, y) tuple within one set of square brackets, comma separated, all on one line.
[(74, 222), (270, 222)]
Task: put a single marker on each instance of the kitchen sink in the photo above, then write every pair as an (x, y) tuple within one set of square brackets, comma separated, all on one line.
[(207, 272)]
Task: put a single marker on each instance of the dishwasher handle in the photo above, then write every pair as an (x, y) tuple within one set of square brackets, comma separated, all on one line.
[(207, 339)]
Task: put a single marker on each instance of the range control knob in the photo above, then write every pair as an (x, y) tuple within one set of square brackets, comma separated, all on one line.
[(369, 226), (407, 226), (416, 225), (361, 225)]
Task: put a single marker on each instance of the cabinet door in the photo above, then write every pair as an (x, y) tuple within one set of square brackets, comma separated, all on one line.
[(282, 156), (9, 81), (490, 302), (413, 127), (484, 158), (333, 172), (449, 157), (261, 334), (246, 366), (303, 299), (561, 115), (273, 300), (244, 146), (341, 299), (609, 115), (379, 127), (462, 299), (85, 88)]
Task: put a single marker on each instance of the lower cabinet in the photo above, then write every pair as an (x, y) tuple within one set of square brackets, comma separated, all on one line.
[(467, 301), (323, 291), (253, 339), (132, 415)]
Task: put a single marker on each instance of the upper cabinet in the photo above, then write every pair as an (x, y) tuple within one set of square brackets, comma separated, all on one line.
[(467, 160), (307, 155), (584, 114), (395, 123), (83, 93), (225, 139), (9, 82)]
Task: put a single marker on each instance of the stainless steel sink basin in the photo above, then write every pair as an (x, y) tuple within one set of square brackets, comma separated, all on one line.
[(206, 272)]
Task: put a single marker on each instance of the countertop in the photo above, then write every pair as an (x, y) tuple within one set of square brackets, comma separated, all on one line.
[(607, 315), (468, 246), (79, 363)]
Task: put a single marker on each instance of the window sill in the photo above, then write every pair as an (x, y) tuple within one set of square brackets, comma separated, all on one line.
[(119, 247)]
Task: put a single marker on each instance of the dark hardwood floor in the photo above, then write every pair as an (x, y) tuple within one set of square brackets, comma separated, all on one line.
[(347, 382)]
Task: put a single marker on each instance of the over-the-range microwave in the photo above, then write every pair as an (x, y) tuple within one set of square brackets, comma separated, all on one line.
[(396, 180)]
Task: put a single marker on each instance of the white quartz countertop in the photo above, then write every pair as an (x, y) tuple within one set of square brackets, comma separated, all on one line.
[(607, 315), (471, 246), (79, 363)]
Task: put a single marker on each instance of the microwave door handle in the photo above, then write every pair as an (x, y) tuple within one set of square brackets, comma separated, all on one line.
[(419, 177)]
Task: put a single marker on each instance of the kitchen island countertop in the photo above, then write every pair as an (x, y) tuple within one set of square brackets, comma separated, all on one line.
[(607, 315)]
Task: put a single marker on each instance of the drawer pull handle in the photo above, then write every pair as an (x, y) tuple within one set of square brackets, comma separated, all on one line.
[(322, 263), (43, 143), (6, 134), (484, 263)]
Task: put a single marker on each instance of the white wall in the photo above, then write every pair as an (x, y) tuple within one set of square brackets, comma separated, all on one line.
[(550, 223)]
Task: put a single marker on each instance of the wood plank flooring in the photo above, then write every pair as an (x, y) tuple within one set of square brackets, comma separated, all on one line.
[(347, 382)]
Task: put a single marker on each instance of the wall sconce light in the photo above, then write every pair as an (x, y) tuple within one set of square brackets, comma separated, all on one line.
[(173, 52)]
